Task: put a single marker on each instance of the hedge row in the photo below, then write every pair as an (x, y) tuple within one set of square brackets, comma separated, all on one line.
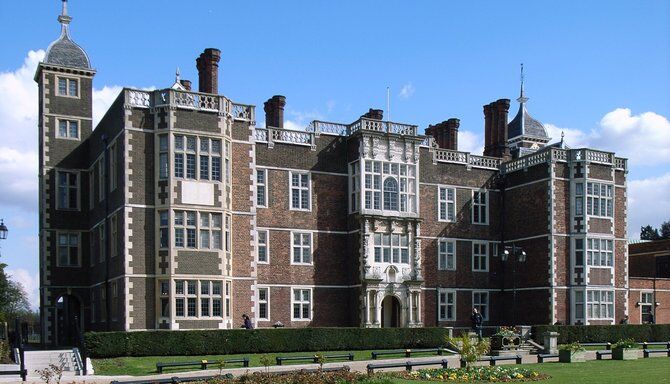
[(605, 333), (233, 341)]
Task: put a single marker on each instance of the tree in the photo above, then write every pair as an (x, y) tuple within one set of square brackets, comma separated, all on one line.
[(665, 230), (649, 233), (13, 298)]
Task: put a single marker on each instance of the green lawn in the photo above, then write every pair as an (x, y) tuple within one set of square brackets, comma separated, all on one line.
[(140, 366), (652, 370)]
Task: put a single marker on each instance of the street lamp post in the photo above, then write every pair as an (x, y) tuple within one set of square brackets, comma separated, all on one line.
[(3, 230), (519, 256)]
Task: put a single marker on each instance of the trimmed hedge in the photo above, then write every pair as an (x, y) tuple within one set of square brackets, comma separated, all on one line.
[(236, 341), (605, 333)]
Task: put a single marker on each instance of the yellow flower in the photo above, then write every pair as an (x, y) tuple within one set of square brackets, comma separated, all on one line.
[(519, 376)]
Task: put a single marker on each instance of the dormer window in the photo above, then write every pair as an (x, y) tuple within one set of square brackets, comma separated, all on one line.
[(68, 87)]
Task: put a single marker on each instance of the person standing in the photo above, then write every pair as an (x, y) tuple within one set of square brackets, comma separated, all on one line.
[(247, 322), (477, 320)]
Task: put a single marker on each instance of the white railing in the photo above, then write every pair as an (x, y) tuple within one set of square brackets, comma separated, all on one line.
[(484, 162), (261, 134), (327, 127), (243, 112), (193, 100), (140, 99), (620, 163), (449, 156), (559, 154), (291, 136), (599, 157)]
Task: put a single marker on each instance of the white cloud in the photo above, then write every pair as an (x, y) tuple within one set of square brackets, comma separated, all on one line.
[(648, 203), (102, 99), (30, 283), (644, 138), (470, 142), (406, 91)]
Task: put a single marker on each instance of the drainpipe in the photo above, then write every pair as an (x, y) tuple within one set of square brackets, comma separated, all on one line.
[(105, 166)]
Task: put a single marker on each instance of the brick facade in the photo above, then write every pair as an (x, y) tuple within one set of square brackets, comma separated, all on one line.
[(189, 215)]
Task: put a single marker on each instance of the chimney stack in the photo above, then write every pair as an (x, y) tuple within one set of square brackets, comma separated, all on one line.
[(186, 84), (208, 70), (374, 114), (495, 128), (445, 133), (274, 111)]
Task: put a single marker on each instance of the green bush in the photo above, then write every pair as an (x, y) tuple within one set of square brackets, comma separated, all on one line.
[(237, 341), (605, 333)]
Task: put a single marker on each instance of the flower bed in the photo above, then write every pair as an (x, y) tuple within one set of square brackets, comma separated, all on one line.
[(339, 377), (489, 374)]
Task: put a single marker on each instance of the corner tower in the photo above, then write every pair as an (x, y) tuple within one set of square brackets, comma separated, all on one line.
[(525, 134), (65, 81)]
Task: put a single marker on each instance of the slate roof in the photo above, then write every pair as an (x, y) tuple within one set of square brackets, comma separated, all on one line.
[(531, 127), (67, 53)]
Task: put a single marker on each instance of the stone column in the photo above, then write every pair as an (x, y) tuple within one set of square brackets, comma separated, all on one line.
[(551, 342)]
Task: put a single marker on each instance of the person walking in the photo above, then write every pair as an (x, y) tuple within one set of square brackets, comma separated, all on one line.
[(247, 322), (477, 320)]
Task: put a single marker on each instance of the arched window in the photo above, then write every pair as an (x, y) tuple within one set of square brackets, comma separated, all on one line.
[(390, 194)]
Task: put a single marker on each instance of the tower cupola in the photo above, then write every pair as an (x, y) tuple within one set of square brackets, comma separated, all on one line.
[(64, 51)]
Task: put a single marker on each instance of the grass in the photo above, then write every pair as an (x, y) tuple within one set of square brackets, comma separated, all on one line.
[(651, 370), (140, 366)]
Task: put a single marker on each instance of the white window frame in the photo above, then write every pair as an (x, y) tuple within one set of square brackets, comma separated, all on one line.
[(58, 250), (262, 186), (476, 205), (478, 305), (446, 304), (266, 302), (604, 257), (67, 93), (163, 157), (204, 148), (376, 173), (302, 302), (67, 130), (68, 190), (480, 255), (300, 189), (392, 248), (447, 204), (644, 303), (113, 166), (114, 288), (597, 198), (578, 315), (444, 265), (600, 302), (199, 296), (302, 248), (354, 187), (266, 245), (114, 235)]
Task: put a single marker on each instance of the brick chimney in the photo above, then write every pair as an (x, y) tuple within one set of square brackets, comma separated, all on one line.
[(208, 70), (445, 133), (374, 114), (274, 111), (495, 128), (186, 84)]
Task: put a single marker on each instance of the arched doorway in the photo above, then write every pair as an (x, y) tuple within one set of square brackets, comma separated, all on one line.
[(68, 310), (390, 312)]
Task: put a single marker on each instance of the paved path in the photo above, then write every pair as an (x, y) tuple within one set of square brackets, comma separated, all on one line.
[(360, 366)]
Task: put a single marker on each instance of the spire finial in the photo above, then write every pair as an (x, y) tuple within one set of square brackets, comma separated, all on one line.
[(562, 136), (64, 19), (176, 75), (522, 98)]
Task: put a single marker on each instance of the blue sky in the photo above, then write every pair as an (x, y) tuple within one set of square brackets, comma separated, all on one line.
[(598, 70)]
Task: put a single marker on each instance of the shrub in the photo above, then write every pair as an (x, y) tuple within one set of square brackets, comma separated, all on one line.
[(572, 347), (470, 350), (605, 333), (625, 343), (236, 341)]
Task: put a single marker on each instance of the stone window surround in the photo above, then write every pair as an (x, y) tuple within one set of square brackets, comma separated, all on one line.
[(198, 151), (384, 171), (302, 303), (199, 296), (266, 245), (68, 189), (591, 197), (447, 204), (223, 229), (68, 81), (266, 302), (646, 303), (447, 292), (482, 256), (302, 248), (477, 205), (354, 187), (445, 266), (600, 302), (262, 186), (67, 133), (479, 304), (69, 235), (300, 188)]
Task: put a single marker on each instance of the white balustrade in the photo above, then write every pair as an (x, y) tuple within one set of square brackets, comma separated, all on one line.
[(484, 162), (141, 99), (243, 112), (261, 134)]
